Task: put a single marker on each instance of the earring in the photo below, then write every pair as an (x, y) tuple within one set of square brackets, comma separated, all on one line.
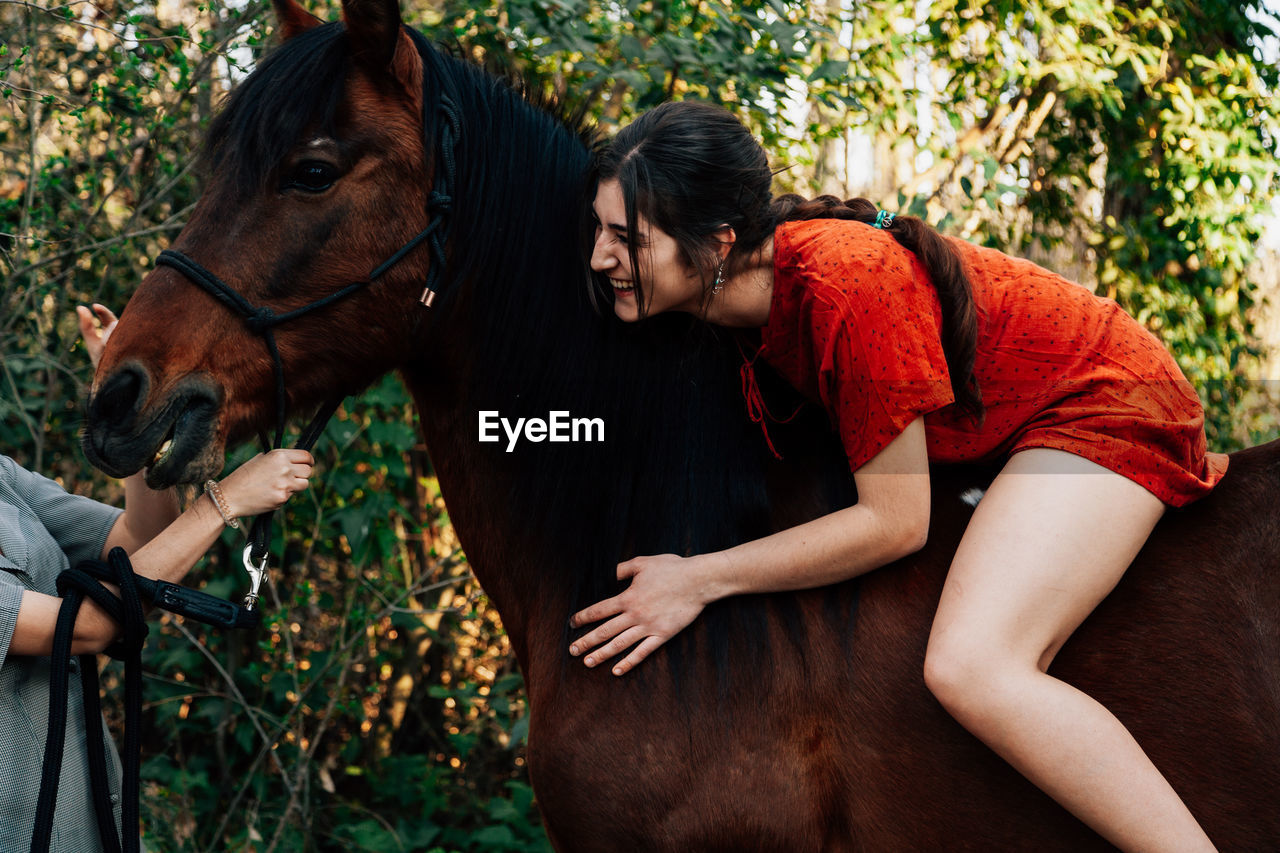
[(718, 284)]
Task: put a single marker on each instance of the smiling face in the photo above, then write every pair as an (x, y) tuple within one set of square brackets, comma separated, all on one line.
[(669, 282)]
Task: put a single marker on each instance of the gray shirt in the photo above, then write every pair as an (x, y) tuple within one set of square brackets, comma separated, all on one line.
[(44, 530)]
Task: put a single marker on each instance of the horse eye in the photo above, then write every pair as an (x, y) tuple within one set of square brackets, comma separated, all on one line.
[(312, 176)]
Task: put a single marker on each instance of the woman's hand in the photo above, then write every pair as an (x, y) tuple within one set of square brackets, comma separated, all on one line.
[(96, 326), (667, 592), (267, 481)]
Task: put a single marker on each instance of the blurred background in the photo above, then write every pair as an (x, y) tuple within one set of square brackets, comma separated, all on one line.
[(1130, 147)]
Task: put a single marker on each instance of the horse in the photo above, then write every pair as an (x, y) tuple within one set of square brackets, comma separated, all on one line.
[(795, 722)]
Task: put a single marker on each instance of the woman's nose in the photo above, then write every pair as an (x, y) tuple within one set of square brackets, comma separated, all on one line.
[(601, 258)]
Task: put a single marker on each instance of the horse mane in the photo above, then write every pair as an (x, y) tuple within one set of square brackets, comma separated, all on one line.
[(682, 469)]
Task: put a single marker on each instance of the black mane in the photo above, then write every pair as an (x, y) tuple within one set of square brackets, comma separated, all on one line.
[(682, 468)]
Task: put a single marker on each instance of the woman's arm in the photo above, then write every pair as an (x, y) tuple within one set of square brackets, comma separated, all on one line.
[(146, 513), (889, 521), (261, 484)]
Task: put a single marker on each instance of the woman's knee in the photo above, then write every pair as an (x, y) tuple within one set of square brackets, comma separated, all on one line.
[(968, 677)]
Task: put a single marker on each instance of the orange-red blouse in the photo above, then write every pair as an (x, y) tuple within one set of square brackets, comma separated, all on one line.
[(855, 324)]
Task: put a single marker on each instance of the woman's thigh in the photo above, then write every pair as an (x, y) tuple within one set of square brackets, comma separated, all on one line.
[(1047, 542)]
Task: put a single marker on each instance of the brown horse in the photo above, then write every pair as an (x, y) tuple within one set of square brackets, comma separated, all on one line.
[(789, 722)]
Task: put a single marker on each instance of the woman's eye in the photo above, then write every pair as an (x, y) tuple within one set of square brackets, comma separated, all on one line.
[(312, 176)]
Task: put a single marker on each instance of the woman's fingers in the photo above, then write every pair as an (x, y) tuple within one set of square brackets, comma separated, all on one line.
[(268, 480), (642, 651), (601, 633), (625, 640), (104, 314), (596, 612), (96, 326)]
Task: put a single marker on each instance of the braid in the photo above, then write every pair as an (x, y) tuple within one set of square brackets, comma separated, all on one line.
[(939, 259)]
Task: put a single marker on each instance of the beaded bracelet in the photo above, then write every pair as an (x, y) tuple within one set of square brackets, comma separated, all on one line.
[(214, 491)]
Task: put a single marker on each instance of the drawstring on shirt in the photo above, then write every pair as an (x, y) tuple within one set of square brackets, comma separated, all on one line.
[(757, 410)]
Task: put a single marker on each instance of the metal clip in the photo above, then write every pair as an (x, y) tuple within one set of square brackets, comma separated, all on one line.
[(256, 574)]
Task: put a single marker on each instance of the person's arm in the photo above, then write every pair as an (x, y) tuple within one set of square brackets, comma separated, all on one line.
[(146, 514), (263, 483), (667, 592)]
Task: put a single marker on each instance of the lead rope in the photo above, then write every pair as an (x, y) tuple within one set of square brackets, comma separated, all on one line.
[(85, 580), (74, 586)]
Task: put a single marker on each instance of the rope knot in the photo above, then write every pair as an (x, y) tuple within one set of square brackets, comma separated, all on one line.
[(442, 201), (260, 320)]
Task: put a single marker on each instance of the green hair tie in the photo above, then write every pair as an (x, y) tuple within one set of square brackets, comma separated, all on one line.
[(884, 219)]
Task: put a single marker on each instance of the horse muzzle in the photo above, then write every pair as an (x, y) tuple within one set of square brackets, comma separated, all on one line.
[(172, 440)]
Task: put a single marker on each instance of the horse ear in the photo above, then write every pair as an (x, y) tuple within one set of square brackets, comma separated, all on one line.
[(379, 42), (374, 30), (293, 19)]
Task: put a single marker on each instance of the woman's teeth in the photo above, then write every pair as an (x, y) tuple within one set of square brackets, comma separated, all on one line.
[(622, 285)]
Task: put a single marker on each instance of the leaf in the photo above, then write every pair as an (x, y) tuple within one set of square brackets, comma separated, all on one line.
[(499, 837), (832, 69)]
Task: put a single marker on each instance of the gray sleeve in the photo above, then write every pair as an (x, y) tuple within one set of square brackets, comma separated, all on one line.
[(10, 599), (79, 525)]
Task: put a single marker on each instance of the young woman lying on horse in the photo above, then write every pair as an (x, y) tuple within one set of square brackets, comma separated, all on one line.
[(921, 349)]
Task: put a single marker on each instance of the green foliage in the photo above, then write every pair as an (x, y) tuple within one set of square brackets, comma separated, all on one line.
[(1141, 140), (616, 59), (380, 708)]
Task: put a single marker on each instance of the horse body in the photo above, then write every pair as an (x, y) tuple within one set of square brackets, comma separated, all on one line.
[(791, 722), (837, 745)]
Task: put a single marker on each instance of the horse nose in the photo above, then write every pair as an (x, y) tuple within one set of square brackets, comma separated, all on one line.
[(116, 404)]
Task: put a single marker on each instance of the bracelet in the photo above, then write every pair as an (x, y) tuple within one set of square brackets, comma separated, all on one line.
[(214, 491)]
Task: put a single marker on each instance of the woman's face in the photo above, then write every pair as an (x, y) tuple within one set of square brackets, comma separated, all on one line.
[(669, 283)]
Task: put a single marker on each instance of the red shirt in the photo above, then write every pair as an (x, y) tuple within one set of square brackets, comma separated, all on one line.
[(855, 324)]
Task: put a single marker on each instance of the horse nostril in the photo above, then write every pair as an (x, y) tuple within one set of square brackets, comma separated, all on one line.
[(118, 399)]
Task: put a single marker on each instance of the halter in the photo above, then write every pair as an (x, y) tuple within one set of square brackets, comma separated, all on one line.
[(86, 579), (262, 320)]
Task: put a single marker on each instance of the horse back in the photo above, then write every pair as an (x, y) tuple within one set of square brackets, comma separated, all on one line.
[(830, 741)]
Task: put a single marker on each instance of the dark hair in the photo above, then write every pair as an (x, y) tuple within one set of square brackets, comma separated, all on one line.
[(691, 168)]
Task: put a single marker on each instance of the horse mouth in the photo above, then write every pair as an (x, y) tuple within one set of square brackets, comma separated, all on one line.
[(178, 458), (176, 445)]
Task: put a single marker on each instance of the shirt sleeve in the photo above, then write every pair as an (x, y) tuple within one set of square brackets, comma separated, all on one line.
[(879, 368), (78, 524), (10, 599)]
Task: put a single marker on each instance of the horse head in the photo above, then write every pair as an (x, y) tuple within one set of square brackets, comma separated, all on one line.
[(317, 173)]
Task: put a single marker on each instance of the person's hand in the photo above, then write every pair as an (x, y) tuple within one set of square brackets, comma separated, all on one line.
[(96, 326), (666, 593), (267, 481)]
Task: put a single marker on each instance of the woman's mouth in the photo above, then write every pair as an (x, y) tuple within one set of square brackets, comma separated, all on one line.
[(622, 289)]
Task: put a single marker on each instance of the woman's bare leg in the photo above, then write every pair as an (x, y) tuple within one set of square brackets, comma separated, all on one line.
[(1048, 541)]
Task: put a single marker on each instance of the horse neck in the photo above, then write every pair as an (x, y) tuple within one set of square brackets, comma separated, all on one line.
[(485, 345), (487, 506)]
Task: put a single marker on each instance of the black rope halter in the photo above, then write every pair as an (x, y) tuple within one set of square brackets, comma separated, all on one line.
[(86, 579), (262, 320)]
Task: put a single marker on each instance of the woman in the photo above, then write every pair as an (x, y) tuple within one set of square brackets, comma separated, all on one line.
[(920, 348), (44, 530)]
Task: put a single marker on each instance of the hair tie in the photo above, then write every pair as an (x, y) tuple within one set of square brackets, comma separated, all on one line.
[(883, 219)]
